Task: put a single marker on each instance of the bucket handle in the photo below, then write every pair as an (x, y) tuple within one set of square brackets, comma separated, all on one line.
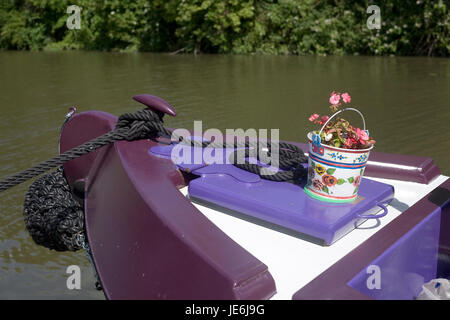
[(345, 109), (375, 216)]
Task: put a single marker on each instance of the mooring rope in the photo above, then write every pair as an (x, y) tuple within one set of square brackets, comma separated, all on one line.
[(54, 215), (145, 124)]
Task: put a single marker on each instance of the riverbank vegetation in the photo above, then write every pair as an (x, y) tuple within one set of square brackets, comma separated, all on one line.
[(325, 27)]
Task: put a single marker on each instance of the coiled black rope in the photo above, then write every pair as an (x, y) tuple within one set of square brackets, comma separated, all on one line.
[(290, 160), (53, 217)]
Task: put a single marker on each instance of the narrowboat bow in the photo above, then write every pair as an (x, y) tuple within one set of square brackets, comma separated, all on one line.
[(157, 230)]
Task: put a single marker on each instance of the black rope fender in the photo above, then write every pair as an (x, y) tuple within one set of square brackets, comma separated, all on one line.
[(53, 217)]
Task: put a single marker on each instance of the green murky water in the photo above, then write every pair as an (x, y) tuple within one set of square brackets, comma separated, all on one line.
[(406, 103)]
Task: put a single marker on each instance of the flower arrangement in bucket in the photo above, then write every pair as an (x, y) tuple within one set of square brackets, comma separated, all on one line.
[(338, 154)]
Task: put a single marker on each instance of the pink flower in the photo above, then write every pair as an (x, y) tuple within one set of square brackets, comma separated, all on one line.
[(362, 134), (346, 97), (335, 98), (313, 117), (350, 142), (324, 118)]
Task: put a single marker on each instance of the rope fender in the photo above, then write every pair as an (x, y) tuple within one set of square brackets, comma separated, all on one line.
[(53, 217)]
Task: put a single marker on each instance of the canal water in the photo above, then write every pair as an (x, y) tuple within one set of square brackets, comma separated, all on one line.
[(405, 101)]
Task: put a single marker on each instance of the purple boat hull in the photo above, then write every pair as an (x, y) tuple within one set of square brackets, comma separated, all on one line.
[(149, 242)]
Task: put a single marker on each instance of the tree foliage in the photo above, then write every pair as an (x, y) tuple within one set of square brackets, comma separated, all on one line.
[(325, 27)]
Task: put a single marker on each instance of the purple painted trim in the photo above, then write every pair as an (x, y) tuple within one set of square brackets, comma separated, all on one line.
[(419, 169), (332, 283), (155, 103)]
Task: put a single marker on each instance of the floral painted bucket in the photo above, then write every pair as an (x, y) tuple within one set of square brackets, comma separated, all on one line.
[(334, 174)]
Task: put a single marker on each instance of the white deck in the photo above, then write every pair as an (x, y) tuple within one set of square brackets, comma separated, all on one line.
[(301, 260)]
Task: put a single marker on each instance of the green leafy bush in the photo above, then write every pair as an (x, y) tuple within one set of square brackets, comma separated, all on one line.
[(325, 27), (210, 25)]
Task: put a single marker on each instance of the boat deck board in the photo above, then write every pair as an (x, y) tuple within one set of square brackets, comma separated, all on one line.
[(294, 262)]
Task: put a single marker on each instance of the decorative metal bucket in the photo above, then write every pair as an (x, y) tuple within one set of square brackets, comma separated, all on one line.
[(334, 174)]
